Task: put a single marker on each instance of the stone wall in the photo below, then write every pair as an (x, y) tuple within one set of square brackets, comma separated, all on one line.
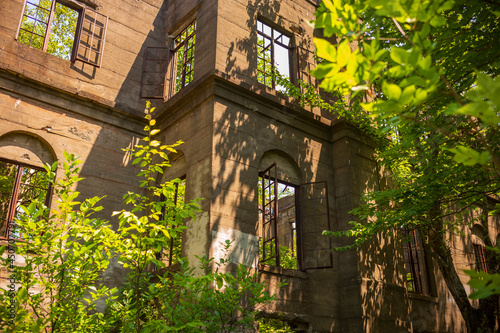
[(232, 127)]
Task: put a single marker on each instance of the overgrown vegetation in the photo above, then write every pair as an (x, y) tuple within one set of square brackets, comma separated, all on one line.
[(423, 81), (67, 249)]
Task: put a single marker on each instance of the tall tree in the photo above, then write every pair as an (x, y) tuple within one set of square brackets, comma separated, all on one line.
[(422, 78)]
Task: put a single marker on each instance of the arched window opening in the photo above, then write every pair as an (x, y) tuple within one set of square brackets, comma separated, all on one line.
[(20, 185), (292, 220)]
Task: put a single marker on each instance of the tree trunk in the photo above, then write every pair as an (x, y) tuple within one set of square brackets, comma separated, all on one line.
[(442, 253)]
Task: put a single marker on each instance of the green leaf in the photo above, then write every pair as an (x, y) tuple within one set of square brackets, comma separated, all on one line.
[(325, 69), (220, 281), (343, 53), (481, 110), (407, 95), (325, 50), (158, 263), (22, 294), (437, 21), (420, 96), (470, 156), (399, 55), (391, 90), (425, 63)]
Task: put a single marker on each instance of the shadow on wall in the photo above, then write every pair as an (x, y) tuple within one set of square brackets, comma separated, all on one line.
[(107, 169), (128, 97), (268, 10), (244, 130), (302, 46)]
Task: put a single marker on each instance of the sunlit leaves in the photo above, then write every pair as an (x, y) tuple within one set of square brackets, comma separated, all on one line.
[(69, 248), (325, 50), (485, 101), (428, 75), (470, 156), (392, 91), (485, 284)]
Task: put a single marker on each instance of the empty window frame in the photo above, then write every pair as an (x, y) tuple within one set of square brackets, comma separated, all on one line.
[(273, 54), (293, 218), (63, 29), (19, 185), (416, 273), (172, 253), (166, 71), (480, 257)]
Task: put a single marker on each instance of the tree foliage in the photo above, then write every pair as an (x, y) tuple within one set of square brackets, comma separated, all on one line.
[(421, 78)]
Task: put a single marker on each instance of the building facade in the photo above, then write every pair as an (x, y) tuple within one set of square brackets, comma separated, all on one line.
[(206, 67)]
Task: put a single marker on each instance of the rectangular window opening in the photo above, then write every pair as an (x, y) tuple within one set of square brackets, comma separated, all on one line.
[(292, 220), (273, 55), (167, 70), (184, 57), (480, 256), (282, 224), (62, 29), (416, 272)]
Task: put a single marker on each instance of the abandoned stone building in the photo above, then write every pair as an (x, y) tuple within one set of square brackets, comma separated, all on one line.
[(75, 76)]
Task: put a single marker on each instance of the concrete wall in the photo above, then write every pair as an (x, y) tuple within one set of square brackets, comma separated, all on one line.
[(90, 112), (233, 127), (117, 82)]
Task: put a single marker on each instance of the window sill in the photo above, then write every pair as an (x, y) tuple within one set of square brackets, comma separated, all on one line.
[(283, 271), (420, 297)]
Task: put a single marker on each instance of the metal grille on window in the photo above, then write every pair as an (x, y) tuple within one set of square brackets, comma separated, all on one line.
[(183, 65), (19, 185), (270, 245), (172, 254), (91, 36), (481, 264), (414, 265)]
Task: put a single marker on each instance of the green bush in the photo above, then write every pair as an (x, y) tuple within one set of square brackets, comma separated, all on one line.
[(67, 249)]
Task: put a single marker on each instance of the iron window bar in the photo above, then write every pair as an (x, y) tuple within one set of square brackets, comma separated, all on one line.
[(24, 189), (182, 69), (481, 264), (158, 254), (270, 242), (412, 261)]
